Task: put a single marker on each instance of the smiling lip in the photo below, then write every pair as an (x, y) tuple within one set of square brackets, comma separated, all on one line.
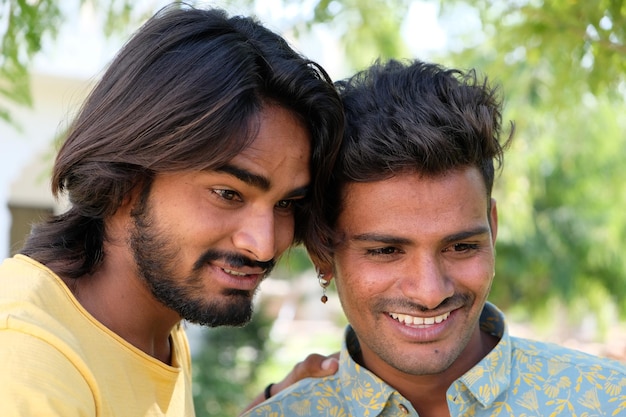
[(419, 322), (235, 273), (240, 280)]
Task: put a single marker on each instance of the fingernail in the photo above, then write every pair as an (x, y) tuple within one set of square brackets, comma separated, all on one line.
[(328, 362)]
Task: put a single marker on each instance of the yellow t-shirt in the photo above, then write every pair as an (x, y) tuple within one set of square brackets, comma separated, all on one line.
[(57, 360)]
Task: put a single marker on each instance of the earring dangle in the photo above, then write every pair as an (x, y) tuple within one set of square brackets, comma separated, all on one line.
[(324, 284)]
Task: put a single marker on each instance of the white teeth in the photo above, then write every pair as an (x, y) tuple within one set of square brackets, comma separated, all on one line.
[(231, 272), (419, 321)]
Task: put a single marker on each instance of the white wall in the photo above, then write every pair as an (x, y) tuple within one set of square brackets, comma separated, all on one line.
[(26, 152)]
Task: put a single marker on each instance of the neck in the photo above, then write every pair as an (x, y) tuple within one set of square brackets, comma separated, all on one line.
[(428, 393), (124, 305)]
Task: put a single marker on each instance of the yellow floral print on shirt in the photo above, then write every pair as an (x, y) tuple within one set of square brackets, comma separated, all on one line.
[(519, 378)]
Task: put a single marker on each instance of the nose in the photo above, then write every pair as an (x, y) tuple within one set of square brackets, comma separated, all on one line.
[(255, 235), (426, 282)]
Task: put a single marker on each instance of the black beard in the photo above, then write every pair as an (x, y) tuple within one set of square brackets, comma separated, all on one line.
[(155, 258)]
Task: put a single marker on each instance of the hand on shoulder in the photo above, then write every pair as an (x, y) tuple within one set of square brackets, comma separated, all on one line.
[(313, 366)]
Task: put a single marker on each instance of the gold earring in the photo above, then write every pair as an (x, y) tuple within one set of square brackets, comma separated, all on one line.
[(324, 284)]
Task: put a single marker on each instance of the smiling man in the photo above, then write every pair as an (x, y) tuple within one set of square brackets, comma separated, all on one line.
[(413, 259), (197, 160)]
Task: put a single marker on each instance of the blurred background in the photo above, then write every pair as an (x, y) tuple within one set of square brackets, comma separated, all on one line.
[(561, 268)]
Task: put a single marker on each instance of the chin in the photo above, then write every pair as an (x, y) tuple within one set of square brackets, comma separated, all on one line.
[(231, 311)]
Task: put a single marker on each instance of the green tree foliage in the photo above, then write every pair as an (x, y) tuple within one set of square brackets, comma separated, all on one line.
[(22, 25), (573, 44), (367, 29), (225, 370), (26, 24)]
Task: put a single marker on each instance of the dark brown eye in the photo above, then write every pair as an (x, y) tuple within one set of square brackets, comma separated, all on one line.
[(285, 204), (388, 250), (226, 194), (464, 247)]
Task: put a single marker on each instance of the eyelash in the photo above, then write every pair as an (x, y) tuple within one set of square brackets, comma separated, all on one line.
[(457, 247), (221, 193), (385, 251), (230, 195), (290, 204), (463, 247)]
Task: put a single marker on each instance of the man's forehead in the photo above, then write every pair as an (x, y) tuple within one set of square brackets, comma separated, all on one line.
[(405, 203)]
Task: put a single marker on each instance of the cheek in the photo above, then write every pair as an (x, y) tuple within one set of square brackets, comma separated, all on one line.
[(357, 279), (283, 233), (478, 276), (185, 218), (198, 230)]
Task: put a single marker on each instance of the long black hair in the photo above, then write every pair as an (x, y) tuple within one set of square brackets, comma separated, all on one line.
[(182, 94)]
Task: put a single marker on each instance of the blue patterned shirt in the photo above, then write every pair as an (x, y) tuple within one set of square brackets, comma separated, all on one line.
[(518, 378)]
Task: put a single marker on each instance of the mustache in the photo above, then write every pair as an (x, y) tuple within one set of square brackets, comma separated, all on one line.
[(390, 304), (234, 260)]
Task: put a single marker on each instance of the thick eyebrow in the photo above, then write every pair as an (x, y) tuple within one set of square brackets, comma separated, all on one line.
[(259, 181), (395, 240), (299, 192), (248, 177), (381, 238), (467, 234)]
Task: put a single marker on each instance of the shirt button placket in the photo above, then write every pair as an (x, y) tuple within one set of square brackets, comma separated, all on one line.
[(403, 408)]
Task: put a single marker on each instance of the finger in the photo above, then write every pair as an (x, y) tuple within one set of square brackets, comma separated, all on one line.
[(314, 366)]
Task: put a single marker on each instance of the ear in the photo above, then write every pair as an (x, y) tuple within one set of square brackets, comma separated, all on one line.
[(119, 222), (326, 271), (129, 202), (493, 219)]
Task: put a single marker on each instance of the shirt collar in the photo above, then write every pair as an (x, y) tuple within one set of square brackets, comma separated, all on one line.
[(492, 375), (363, 391)]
